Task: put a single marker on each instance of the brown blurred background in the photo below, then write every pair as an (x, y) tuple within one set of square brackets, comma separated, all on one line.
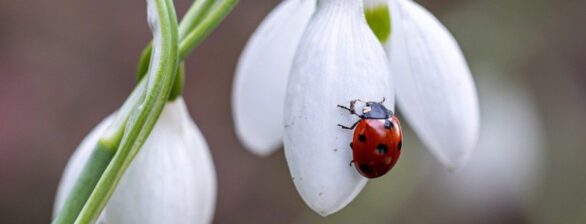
[(65, 65)]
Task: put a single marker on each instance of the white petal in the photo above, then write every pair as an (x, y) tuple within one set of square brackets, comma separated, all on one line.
[(435, 90), (339, 59), (262, 73), (171, 180)]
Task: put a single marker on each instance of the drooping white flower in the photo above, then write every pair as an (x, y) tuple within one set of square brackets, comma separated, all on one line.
[(171, 180), (425, 68), (262, 73), (435, 90), (338, 59)]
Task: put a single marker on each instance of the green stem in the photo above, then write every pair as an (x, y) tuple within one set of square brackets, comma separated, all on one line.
[(195, 26), (160, 79), (102, 153), (192, 18), (199, 29), (194, 38), (97, 163), (178, 84)]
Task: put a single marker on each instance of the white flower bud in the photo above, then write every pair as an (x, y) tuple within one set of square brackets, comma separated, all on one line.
[(171, 180)]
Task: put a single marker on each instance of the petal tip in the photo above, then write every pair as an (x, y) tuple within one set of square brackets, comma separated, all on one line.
[(257, 146), (455, 162)]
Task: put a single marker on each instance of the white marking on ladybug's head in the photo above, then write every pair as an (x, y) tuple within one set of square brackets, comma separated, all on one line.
[(366, 109)]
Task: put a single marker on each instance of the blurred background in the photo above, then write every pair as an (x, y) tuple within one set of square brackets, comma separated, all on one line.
[(65, 65)]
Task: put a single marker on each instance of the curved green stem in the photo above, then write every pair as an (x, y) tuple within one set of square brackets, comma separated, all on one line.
[(160, 80), (194, 38), (101, 156), (177, 88), (192, 18), (97, 163), (195, 29), (195, 26)]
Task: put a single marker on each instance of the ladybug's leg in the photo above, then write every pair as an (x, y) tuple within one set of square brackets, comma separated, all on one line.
[(382, 101), (351, 127), (350, 109), (345, 108), (351, 162)]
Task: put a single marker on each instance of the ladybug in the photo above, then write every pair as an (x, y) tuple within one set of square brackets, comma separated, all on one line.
[(376, 145)]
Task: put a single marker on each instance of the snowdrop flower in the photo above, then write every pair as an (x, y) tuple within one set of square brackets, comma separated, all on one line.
[(430, 73), (335, 58), (171, 180)]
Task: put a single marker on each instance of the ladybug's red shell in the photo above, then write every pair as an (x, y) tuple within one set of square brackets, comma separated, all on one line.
[(377, 145)]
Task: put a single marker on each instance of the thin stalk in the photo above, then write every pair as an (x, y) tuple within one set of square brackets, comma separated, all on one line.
[(160, 79), (194, 38), (177, 88), (200, 29), (195, 14), (97, 163), (101, 156)]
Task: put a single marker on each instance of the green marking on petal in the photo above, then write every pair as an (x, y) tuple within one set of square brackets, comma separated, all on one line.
[(379, 20)]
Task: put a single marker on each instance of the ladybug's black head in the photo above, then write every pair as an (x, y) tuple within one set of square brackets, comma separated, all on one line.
[(376, 110)]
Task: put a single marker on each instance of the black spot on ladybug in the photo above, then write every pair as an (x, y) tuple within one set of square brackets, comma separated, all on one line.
[(400, 145), (381, 148), (362, 138), (388, 124), (365, 168)]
